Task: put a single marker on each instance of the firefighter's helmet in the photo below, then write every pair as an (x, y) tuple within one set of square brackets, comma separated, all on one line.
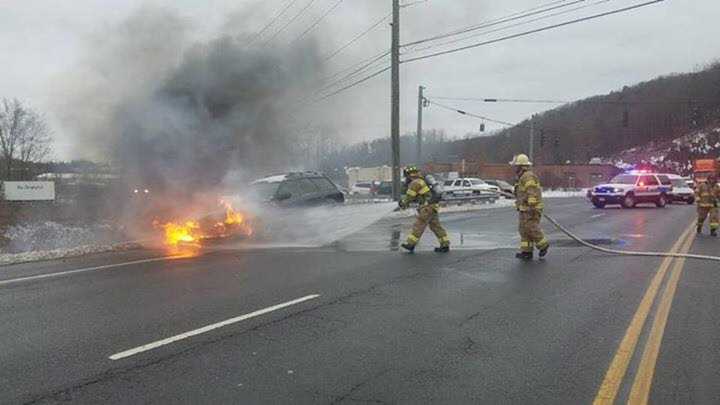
[(521, 160), (411, 171)]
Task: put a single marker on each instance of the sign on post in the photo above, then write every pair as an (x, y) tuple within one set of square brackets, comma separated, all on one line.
[(29, 190)]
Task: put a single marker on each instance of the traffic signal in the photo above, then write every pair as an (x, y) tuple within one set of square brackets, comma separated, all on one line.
[(482, 127)]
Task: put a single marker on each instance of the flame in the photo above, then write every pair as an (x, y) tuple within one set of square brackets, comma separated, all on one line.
[(175, 234), (186, 236)]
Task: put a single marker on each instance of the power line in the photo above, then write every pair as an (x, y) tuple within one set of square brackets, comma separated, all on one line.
[(272, 21), (530, 21), (501, 20), (463, 112), (363, 80), (317, 21), (292, 20), (365, 65), (525, 33), (414, 3), (503, 100), (362, 69), (612, 102), (357, 37)]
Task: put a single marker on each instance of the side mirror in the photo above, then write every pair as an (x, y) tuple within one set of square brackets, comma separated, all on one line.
[(283, 196)]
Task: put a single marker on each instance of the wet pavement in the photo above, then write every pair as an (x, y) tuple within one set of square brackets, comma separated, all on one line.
[(371, 324)]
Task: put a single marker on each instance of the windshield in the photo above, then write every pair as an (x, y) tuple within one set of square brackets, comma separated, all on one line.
[(624, 179), (264, 191), (679, 183), (477, 182)]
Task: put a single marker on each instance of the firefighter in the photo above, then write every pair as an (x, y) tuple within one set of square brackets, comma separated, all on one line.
[(528, 201), (419, 191), (707, 194)]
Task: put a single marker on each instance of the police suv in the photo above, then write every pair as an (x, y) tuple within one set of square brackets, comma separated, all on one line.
[(633, 188)]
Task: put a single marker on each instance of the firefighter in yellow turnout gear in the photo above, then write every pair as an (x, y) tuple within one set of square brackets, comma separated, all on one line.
[(419, 191), (528, 201), (707, 196)]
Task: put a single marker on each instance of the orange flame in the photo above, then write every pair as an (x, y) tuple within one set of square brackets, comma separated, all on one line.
[(175, 234), (189, 234)]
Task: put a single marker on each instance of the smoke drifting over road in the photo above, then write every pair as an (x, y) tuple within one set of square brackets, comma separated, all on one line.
[(174, 113)]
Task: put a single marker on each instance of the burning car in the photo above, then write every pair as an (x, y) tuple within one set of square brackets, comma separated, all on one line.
[(297, 189), (191, 234)]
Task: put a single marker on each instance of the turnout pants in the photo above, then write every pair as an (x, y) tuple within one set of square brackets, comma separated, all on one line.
[(704, 212), (530, 233), (428, 216)]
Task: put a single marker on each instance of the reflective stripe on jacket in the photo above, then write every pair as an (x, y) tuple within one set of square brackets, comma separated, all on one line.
[(528, 193), (417, 191), (707, 195)]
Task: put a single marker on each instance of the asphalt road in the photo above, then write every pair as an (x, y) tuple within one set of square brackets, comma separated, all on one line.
[(358, 321)]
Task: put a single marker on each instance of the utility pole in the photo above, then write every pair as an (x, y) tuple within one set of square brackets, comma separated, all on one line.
[(421, 100), (531, 148), (395, 99)]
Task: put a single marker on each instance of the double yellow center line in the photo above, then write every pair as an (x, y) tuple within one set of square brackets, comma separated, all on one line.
[(640, 390)]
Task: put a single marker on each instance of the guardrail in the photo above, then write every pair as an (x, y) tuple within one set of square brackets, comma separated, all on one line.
[(453, 199), (448, 199)]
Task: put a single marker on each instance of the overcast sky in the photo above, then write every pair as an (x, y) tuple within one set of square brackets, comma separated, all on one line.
[(42, 40)]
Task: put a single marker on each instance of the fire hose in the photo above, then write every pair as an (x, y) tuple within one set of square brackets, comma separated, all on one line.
[(627, 252), (616, 251)]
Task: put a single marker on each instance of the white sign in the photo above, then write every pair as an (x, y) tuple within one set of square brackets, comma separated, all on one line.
[(29, 190)]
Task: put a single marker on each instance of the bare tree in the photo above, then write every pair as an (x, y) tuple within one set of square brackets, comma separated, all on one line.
[(24, 136)]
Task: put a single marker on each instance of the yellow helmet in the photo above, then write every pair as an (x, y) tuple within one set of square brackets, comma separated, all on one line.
[(521, 160)]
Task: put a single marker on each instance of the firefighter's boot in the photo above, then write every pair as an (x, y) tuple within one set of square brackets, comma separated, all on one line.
[(713, 232), (410, 248), (544, 250), (698, 229), (524, 256), (442, 249)]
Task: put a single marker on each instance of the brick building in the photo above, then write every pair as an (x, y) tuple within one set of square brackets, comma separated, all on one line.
[(551, 176)]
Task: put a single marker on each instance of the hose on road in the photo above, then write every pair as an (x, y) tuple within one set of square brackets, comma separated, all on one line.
[(627, 252)]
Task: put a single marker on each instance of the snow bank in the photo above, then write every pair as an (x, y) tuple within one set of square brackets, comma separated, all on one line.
[(14, 258), (52, 240), (53, 236), (467, 207), (314, 227)]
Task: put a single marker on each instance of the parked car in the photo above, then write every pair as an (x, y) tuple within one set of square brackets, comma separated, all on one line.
[(681, 191), (632, 188), (469, 187), (362, 188), (689, 182), (505, 188), (384, 188), (297, 189)]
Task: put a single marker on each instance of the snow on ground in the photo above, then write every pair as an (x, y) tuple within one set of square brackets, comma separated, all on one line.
[(14, 258), (48, 241), (501, 203), (46, 236), (672, 156)]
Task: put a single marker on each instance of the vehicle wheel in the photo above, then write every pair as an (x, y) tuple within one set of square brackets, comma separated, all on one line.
[(629, 201), (598, 204), (691, 201), (661, 201)]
